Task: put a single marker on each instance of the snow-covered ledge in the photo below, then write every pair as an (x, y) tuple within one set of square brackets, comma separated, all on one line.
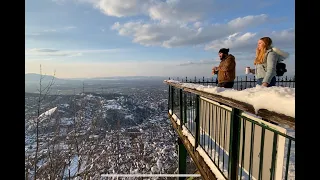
[(187, 133), (210, 163), (277, 100), (185, 130), (176, 119)]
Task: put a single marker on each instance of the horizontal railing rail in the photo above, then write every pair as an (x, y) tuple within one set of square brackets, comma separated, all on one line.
[(240, 83), (240, 144)]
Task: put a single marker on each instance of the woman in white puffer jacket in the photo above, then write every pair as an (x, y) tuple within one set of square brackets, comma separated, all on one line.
[(266, 61)]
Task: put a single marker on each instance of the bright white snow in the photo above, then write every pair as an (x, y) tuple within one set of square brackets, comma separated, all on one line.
[(48, 113), (186, 132), (176, 119), (277, 99)]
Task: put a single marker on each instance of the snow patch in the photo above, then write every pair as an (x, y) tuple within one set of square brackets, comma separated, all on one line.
[(186, 132)]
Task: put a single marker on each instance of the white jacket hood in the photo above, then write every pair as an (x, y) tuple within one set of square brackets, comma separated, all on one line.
[(284, 55)]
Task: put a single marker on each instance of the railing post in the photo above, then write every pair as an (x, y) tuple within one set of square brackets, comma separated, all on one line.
[(245, 86), (169, 99), (181, 107), (197, 121), (172, 98), (185, 119), (182, 153), (234, 144)]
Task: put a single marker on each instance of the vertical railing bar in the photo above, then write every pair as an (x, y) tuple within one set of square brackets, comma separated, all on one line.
[(205, 123), (230, 139), (209, 119), (178, 100), (219, 138), (194, 124), (172, 96), (261, 152), (286, 81), (274, 153), (188, 112), (191, 112), (246, 82), (185, 108), (234, 144), (204, 103), (251, 149), (169, 98), (197, 121), (289, 82), (288, 160), (237, 82), (224, 138), (215, 134), (181, 107), (243, 144)]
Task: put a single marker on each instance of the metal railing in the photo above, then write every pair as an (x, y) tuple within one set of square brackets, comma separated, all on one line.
[(240, 83), (240, 144)]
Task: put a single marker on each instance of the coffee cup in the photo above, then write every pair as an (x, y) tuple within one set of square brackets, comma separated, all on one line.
[(247, 70)]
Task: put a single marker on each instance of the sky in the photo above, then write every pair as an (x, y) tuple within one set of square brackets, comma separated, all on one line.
[(171, 38)]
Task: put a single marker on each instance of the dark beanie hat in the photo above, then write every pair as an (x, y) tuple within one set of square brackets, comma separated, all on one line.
[(224, 50)]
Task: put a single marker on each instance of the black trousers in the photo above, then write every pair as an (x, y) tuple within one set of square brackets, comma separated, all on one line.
[(226, 84)]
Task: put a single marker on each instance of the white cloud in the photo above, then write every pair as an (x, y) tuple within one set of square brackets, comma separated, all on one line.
[(60, 29), (120, 8), (168, 11), (248, 41), (174, 35), (46, 52), (243, 22), (67, 53), (59, 2), (200, 62), (181, 10)]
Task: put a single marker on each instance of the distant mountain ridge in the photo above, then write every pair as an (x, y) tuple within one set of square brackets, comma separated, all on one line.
[(36, 77)]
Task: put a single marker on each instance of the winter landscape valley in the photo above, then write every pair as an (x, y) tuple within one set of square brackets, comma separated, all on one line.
[(89, 128)]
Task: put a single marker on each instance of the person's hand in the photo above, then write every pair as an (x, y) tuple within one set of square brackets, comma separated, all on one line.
[(213, 70), (265, 84)]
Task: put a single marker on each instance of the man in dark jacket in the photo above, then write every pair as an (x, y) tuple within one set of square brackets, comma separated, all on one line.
[(226, 70)]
